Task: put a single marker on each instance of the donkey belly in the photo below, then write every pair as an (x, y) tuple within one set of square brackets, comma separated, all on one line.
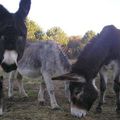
[(30, 73)]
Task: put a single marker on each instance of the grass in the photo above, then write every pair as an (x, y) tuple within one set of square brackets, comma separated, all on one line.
[(20, 108)]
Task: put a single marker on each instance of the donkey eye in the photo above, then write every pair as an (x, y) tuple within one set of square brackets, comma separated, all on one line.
[(20, 38), (2, 37), (77, 92)]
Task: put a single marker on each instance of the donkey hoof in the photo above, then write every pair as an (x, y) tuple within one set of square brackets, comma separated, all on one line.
[(1, 111), (42, 103), (11, 98), (118, 110), (26, 95), (98, 109), (56, 107)]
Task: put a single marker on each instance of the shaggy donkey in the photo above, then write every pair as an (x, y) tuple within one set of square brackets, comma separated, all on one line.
[(12, 36), (98, 52), (41, 58)]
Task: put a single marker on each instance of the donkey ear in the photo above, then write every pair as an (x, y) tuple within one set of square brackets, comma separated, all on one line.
[(68, 76), (3, 13), (24, 8)]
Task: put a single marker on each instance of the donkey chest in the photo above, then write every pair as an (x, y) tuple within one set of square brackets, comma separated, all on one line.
[(30, 72)]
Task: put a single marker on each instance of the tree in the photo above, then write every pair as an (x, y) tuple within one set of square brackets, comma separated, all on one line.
[(88, 36), (57, 34), (40, 35), (32, 29)]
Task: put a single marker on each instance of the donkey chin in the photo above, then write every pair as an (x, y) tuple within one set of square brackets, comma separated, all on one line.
[(77, 112), (8, 68), (9, 62)]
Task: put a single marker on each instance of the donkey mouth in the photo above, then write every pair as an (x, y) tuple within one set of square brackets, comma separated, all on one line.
[(8, 68)]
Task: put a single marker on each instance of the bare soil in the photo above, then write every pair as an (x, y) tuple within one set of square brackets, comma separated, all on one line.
[(20, 108)]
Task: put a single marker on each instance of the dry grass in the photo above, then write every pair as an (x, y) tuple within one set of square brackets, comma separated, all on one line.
[(28, 109)]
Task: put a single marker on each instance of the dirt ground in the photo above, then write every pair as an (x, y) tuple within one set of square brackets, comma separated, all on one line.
[(20, 108)]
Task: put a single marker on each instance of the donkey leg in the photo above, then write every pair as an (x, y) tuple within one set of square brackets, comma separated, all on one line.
[(1, 105), (41, 99), (67, 91), (20, 85), (10, 83), (103, 85), (50, 89), (1, 96), (116, 88)]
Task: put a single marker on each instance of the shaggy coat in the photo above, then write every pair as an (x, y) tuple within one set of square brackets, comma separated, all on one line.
[(42, 59)]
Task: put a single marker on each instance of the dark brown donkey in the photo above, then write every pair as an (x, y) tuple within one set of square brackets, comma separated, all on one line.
[(100, 51), (13, 33)]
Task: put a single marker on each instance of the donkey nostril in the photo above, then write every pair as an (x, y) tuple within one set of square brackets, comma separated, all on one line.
[(77, 112), (8, 68)]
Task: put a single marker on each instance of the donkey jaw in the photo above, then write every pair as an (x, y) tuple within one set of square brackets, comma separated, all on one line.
[(9, 62), (77, 112)]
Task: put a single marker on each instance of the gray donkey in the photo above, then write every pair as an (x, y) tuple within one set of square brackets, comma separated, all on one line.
[(41, 58)]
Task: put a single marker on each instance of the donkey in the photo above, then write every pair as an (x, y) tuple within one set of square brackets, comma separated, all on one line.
[(41, 59), (100, 51), (12, 36)]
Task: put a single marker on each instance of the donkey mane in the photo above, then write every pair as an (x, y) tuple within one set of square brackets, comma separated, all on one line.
[(99, 51)]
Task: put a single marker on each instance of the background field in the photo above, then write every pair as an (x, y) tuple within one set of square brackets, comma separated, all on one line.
[(20, 108)]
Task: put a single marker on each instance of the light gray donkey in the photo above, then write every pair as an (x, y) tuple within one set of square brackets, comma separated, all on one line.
[(41, 58)]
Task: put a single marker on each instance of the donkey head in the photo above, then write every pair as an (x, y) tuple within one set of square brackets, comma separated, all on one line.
[(82, 93), (13, 33)]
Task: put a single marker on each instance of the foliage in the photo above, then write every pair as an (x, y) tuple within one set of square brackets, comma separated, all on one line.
[(40, 35), (88, 36), (57, 34), (72, 45), (36, 33), (32, 29)]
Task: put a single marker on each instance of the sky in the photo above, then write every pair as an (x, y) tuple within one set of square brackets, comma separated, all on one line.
[(74, 17)]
